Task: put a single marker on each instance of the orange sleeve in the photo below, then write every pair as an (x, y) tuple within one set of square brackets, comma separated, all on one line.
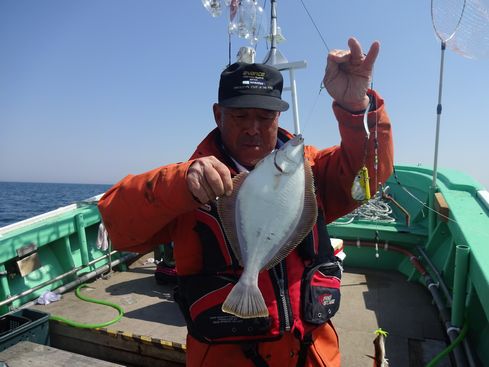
[(335, 167), (139, 211)]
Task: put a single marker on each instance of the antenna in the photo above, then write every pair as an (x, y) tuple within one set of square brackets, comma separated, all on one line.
[(274, 56), (276, 59), (243, 21)]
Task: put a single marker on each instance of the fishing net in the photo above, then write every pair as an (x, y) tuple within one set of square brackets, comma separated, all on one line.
[(463, 25)]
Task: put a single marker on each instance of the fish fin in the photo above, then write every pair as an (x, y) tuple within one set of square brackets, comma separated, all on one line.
[(245, 301), (306, 222), (226, 207)]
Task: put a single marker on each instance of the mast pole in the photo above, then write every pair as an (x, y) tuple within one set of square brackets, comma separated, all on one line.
[(276, 59), (295, 104), (273, 30)]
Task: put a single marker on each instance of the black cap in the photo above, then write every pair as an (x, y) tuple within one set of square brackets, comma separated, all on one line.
[(244, 85)]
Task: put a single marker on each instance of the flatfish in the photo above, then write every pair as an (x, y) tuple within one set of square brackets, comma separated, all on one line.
[(270, 211)]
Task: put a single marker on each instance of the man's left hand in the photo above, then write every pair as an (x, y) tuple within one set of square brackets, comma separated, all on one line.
[(349, 73)]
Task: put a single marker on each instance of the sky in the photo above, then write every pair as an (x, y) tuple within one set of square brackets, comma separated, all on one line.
[(93, 90)]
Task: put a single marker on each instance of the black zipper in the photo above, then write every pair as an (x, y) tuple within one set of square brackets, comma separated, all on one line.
[(281, 288)]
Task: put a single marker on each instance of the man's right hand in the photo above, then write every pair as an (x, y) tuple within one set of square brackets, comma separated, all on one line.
[(208, 178)]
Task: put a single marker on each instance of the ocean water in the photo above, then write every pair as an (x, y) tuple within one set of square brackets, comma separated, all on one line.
[(22, 200)]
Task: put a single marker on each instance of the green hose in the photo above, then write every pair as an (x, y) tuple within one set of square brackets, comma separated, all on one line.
[(93, 300), (444, 352)]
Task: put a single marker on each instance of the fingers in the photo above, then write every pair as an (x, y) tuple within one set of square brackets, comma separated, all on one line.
[(338, 56), (331, 71), (356, 52), (218, 178), (208, 178), (372, 55), (355, 56), (359, 58), (349, 73)]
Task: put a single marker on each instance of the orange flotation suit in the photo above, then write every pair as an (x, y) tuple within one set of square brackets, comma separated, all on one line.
[(156, 207)]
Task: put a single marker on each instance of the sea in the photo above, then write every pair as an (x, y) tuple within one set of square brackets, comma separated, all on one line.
[(23, 200)]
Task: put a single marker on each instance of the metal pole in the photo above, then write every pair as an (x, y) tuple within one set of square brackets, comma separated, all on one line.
[(273, 41), (438, 112), (55, 279), (295, 104), (274, 56), (87, 276), (95, 273)]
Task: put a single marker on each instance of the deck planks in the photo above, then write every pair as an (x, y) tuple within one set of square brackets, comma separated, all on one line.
[(370, 299), (373, 299), (29, 354)]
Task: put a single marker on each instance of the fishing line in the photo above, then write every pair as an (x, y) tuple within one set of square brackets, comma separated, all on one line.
[(376, 209), (376, 140), (315, 26), (474, 229), (419, 200), (311, 110), (321, 87)]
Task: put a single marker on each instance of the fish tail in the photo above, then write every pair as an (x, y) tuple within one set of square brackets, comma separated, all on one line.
[(245, 301)]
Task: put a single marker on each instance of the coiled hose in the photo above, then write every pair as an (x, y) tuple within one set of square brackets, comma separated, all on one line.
[(93, 300)]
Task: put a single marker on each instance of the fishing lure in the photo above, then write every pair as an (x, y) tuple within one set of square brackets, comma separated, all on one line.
[(360, 189), (380, 359)]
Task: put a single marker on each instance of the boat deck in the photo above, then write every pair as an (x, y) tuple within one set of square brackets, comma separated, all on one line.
[(30, 354), (152, 331)]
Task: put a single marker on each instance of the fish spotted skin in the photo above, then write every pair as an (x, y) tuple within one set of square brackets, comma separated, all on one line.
[(271, 210)]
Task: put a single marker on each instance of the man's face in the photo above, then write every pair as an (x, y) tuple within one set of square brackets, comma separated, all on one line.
[(248, 133)]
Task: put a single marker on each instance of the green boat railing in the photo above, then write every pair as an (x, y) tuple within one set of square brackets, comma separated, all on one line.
[(45, 252), (443, 232), (447, 232)]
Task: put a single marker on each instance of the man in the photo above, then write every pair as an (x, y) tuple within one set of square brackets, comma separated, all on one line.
[(175, 203)]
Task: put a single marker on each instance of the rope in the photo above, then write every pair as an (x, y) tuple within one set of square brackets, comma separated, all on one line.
[(376, 209)]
